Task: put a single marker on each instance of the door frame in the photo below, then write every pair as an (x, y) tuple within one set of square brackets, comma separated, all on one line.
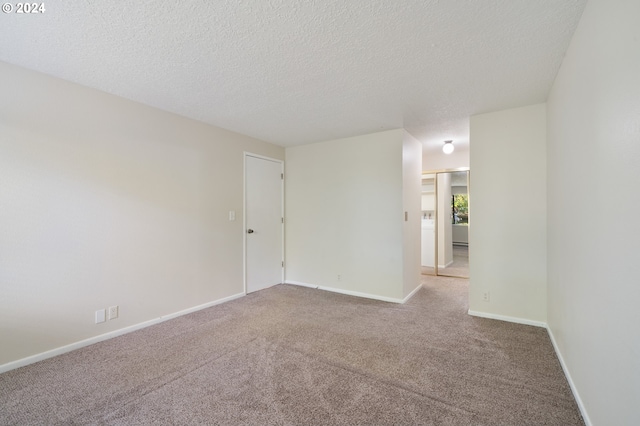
[(244, 214), (436, 223)]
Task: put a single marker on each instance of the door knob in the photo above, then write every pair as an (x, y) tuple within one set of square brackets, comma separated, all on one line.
[(249, 231)]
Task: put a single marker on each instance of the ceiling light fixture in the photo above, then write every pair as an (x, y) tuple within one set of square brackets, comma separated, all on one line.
[(447, 148)]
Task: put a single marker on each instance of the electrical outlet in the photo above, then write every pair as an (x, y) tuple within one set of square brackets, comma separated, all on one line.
[(113, 312), (339, 277), (100, 316), (486, 296)]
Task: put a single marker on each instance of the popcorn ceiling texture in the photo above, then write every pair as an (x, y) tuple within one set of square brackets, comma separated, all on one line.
[(292, 72)]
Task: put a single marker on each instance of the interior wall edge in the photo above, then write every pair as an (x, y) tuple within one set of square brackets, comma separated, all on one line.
[(12, 365), (410, 295), (516, 320), (300, 284), (354, 293), (556, 349), (567, 374)]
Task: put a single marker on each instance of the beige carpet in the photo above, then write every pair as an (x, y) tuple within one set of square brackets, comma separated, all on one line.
[(298, 356), (458, 268)]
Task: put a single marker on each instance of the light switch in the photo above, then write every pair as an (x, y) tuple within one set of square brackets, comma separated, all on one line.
[(232, 215)]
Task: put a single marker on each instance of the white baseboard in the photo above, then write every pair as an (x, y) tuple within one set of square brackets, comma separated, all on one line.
[(301, 284), (574, 390), (352, 293), (410, 295), (508, 318), (90, 341), (359, 294), (80, 344)]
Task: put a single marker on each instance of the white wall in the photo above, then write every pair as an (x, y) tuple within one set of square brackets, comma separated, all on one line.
[(445, 231), (507, 190), (460, 233), (457, 190), (433, 160), (593, 198), (108, 202), (412, 201), (344, 214)]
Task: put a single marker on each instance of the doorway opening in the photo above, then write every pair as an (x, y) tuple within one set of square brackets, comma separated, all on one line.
[(445, 223)]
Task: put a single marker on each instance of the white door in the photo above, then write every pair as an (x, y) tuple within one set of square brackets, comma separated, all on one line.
[(263, 222)]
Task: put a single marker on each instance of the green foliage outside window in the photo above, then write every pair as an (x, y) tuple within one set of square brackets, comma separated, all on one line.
[(460, 208)]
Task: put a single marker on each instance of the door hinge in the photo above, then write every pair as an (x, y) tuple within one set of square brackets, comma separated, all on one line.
[(282, 176), (283, 220), (283, 263)]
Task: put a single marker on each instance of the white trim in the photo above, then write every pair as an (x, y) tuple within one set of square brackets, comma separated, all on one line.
[(82, 343), (244, 221), (574, 390), (90, 341), (457, 169), (445, 266), (410, 295), (246, 154), (263, 157), (301, 284), (355, 293), (359, 294), (351, 293), (508, 318)]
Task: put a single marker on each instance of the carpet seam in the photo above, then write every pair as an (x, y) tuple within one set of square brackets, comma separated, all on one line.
[(172, 380), (389, 382)]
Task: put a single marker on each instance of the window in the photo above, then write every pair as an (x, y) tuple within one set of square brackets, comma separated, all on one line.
[(460, 209)]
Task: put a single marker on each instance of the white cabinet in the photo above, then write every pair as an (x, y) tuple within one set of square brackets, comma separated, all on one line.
[(428, 201), (428, 243)]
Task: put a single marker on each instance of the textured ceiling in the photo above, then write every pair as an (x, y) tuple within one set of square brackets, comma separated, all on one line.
[(294, 72)]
